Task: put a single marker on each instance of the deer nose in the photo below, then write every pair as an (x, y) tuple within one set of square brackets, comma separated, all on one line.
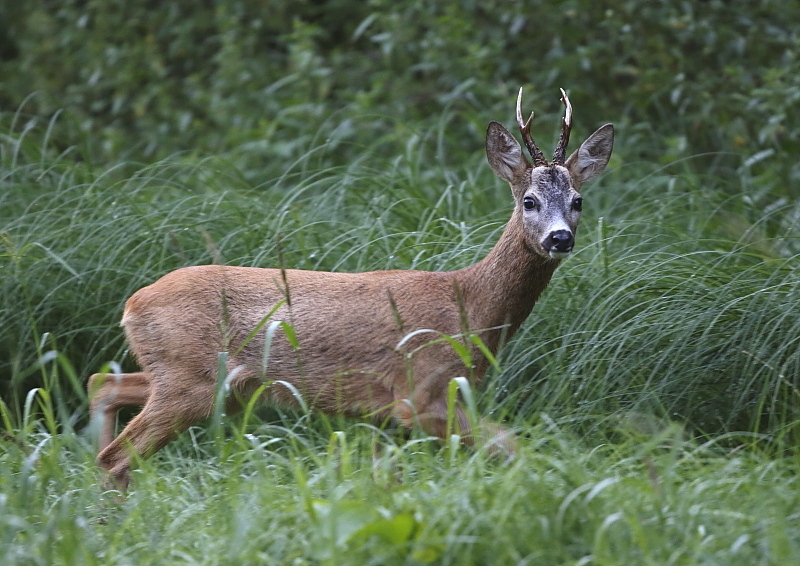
[(559, 242)]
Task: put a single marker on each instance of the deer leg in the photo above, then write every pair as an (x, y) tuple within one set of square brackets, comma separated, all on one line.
[(432, 417), (109, 393), (433, 420), (167, 412)]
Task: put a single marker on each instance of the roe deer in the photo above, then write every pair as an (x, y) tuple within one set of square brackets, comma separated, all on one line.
[(354, 330)]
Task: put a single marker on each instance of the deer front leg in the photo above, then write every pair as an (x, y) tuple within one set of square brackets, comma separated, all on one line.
[(110, 392), (432, 417)]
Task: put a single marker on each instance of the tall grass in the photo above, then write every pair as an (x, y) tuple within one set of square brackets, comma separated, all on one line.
[(676, 301), (302, 491), (669, 317), (655, 386)]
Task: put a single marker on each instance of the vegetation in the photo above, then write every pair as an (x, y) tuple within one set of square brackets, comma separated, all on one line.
[(655, 387)]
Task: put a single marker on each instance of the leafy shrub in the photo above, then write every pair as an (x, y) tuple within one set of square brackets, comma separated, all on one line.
[(721, 79)]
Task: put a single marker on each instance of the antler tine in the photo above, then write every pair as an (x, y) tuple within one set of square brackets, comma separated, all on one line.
[(566, 124), (526, 127), (525, 130)]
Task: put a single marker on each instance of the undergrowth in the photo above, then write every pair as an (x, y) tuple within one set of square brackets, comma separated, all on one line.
[(297, 489)]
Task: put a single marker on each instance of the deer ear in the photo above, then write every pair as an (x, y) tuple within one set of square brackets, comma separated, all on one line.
[(589, 160), (504, 154)]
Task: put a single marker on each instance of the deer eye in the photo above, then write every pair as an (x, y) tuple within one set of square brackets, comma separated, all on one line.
[(577, 204), (529, 203)]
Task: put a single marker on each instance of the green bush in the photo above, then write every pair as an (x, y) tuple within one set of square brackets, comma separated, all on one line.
[(719, 78)]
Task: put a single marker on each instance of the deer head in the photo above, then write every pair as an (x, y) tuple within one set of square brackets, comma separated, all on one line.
[(546, 198)]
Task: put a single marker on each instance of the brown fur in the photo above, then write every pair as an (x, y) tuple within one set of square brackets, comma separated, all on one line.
[(348, 326)]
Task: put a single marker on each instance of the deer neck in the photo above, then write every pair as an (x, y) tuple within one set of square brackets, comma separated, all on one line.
[(500, 290)]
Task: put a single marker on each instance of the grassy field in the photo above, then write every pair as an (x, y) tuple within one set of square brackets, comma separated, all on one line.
[(303, 491), (655, 388)]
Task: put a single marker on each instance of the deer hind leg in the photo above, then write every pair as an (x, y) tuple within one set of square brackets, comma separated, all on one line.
[(109, 393), (174, 404)]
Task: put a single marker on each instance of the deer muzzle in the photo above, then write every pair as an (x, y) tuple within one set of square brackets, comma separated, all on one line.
[(559, 244)]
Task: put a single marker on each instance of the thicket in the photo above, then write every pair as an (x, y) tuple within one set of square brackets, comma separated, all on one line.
[(679, 78)]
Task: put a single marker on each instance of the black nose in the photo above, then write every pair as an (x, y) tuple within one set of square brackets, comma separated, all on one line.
[(559, 241)]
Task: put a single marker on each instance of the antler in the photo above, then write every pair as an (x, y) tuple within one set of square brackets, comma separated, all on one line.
[(525, 130), (566, 123)]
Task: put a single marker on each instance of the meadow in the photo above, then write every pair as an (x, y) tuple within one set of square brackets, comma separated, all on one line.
[(655, 388)]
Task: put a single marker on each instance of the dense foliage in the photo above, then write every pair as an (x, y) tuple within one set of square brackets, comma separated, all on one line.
[(656, 385), (683, 78)]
